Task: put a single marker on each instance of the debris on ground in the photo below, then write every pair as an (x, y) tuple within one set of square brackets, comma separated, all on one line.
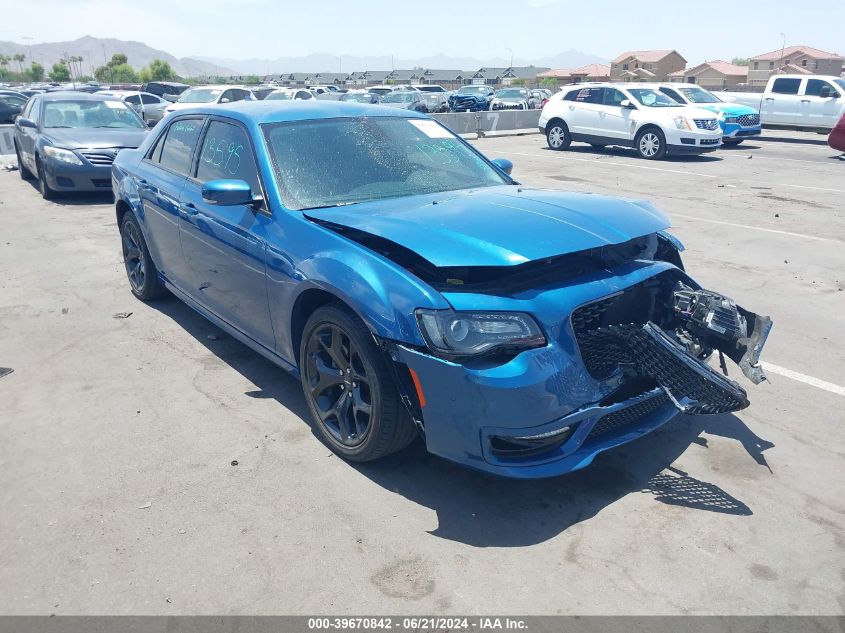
[(64, 310), (234, 462), (146, 505), (5, 371), (121, 315), (10, 167)]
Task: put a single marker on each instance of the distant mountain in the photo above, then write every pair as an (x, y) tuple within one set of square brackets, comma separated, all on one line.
[(94, 51), (324, 62)]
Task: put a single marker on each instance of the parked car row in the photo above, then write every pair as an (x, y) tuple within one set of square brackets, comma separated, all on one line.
[(656, 120)]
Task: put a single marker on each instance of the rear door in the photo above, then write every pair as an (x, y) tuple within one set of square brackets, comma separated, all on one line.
[(25, 136), (225, 245), (780, 105), (582, 109), (820, 104), (160, 178)]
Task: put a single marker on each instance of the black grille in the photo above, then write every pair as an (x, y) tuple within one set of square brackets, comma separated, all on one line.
[(706, 124), (103, 158), (101, 183), (748, 120), (647, 351), (629, 415), (709, 141)]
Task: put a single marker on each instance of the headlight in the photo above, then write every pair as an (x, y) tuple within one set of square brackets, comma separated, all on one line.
[(462, 334), (681, 123), (62, 155)]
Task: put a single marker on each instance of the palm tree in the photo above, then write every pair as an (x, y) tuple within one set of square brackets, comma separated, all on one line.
[(20, 57)]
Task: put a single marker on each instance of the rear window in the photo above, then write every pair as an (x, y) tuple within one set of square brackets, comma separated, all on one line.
[(786, 86), (585, 95)]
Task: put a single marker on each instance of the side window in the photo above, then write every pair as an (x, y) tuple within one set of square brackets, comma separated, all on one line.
[(27, 109), (612, 97), (155, 153), (819, 88), (586, 95), (786, 86), (149, 99), (178, 147), (227, 96), (227, 153), (133, 99), (672, 95)]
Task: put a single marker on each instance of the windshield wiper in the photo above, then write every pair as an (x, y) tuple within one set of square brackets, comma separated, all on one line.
[(328, 206)]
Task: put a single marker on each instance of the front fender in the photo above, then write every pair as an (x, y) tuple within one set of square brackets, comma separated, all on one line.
[(383, 294)]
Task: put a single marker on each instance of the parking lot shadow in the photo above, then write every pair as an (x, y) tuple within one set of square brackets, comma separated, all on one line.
[(77, 199), (487, 511), (624, 152)]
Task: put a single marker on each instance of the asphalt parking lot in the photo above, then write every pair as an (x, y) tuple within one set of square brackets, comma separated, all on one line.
[(118, 436)]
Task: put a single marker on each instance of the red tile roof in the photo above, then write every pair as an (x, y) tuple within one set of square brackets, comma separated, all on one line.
[(593, 70), (644, 56), (789, 50)]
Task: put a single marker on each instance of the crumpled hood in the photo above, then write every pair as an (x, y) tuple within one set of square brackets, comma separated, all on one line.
[(728, 109), (95, 138), (499, 226)]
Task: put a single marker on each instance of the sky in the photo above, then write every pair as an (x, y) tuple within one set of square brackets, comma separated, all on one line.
[(266, 29)]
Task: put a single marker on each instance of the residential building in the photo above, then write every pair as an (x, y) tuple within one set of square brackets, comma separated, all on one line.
[(563, 76), (801, 60), (499, 77), (714, 75), (646, 65)]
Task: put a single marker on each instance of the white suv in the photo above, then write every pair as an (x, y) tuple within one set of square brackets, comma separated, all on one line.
[(629, 115)]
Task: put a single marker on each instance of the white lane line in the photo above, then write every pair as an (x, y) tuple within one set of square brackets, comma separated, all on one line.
[(755, 228), (599, 161), (807, 380), (816, 188)]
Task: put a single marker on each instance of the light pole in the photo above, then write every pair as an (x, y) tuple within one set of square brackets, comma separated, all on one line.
[(28, 40), (783, 48), (511, 52)]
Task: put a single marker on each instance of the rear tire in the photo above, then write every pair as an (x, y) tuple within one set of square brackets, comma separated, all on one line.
[(558, 136), (354, 404), (142, 273), (651, 144)]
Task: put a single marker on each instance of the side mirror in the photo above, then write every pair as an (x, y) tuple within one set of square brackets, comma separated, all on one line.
[(228, 192), (24, 122), (504, 164), (224, 100), (151, 123), (626, 103)]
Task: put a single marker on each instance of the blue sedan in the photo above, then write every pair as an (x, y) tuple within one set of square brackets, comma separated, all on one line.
[(416, 289)]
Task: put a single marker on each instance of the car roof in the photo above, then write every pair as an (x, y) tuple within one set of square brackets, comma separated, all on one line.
[(70, 95), (299, 110)]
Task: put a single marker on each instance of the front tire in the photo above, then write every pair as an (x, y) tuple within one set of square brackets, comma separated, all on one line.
[(24, 173), (140, 269), (651, 144), (354, 403), (558, 136), (46, 192)]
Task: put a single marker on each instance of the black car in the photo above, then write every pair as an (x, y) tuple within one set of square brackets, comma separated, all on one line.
[(11, 105), (169, 90), (68, 140)]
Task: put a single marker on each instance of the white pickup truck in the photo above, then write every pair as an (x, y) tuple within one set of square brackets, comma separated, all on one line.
[(796, 101)]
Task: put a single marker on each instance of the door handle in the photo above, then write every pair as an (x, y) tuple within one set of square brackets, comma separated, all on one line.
[(143, 184), (190, 209), (805, 101), (770, 98)]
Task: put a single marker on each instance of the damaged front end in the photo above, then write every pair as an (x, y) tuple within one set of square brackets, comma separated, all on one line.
[(663, 331)]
